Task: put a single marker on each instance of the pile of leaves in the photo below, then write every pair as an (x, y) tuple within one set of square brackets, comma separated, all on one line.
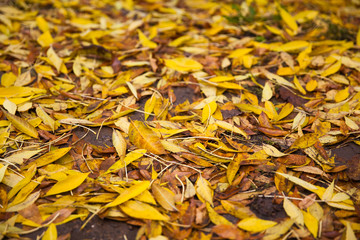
[(190, 119)]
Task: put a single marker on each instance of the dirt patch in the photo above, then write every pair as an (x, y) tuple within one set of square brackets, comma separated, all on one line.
[(96, 229)]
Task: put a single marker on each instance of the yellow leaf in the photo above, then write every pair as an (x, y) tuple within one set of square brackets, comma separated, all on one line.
[(130, 157), (231, 128), (55, 60), (288, 19), (119, 143), (232, 169), (311, 85), (190, 189), (305, 141), (130, 193), (291, 46), (203, 190), (172, 147), (267, 92), (45, 39), (311, 223), (180, 40), (132, 89), (280, 80), (254, 224), (50, 233), (29, 201), (239, 52), (142, 210), (351, 124), (164, 197), (285, 111), (9, 106), (298, 120), (42, 24), (26, 191), (2, 172), (247, 60), (300, 182), (145, 41), (237, 209), (149, 106), (293, 212), (69, 183), (183, 64), (143, 137), (8, 79), (349, 233), (208, 110), (50, 157), (272, 151), (358, 38), (276, 231), (21, 124), (341, 95), (298, 85), (23, 182), (328, 194), (216, 218), (221, 79), (45, 117), (332, 69)]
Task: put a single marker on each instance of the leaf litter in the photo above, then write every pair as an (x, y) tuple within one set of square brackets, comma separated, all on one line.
[(206, 106)]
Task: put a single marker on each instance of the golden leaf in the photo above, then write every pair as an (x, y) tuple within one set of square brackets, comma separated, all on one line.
[(130, 157), (130, 193), (276, 231), (142, 210), (293, 212), (208, 110), (21, 124), (311, 223), (45, 39), (254, 224), (45, 118), (143, 137), (50, 233), (42, 24), (69, 183), (50, 157), (203, 190), (267, 92), (216, 218), (29, 200), (119, 143), (146, 42), (341, 95), (272, 151), (164, 197), (288, 19), (183, 64)]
